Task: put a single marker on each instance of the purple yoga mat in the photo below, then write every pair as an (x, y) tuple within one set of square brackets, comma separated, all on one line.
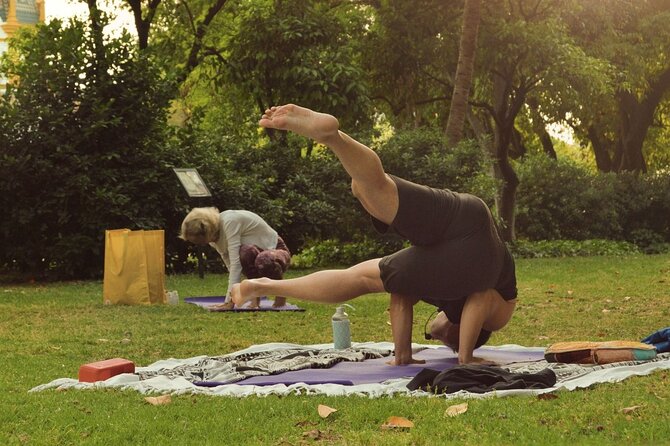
[(208, 302), (377, 371)]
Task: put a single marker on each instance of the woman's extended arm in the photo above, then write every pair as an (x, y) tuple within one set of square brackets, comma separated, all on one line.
[(402, 317), (475, 312), (486, 309)]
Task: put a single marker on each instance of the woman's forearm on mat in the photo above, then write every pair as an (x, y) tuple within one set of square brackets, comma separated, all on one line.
[(402, 315)]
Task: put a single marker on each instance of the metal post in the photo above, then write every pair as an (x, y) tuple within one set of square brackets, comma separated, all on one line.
[(197, 191)]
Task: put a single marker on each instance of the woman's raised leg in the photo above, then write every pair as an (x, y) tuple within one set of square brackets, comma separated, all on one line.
[(329, 286), (374, 189)]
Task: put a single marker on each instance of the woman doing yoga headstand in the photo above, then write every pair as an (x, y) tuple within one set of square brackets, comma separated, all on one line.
[(457, 260)]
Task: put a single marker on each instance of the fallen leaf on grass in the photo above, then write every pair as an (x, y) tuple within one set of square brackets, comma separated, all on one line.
[(158, 400), (630, 409), (325, 411), (456, 409), (397, 422)]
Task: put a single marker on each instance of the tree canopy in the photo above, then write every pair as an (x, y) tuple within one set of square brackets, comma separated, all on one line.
[(100, 120)]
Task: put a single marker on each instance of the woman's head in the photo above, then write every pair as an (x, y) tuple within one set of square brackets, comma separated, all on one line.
[(201, 226)]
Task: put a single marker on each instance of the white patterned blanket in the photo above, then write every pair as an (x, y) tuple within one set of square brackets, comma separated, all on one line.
[(177, 376)]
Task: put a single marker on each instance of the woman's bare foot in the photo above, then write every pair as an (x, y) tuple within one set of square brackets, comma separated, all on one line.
[(318, 126), (245, 291), (279, 302)]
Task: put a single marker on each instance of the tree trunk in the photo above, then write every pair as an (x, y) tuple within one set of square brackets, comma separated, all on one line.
[(199, 35), (95, 18), (464, 71), (517, 147), (618, 156), (510, 183), (483, 134), (547, 143), (540, 129), (143, 24), (603, 160), (637, 117), (507, 103), (502, 170), (200, 28)]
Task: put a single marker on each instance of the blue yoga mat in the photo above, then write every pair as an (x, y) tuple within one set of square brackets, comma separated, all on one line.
[(378, 371), (210, 302)]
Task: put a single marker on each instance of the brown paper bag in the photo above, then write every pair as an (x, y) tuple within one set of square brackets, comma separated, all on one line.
[(134, 267)]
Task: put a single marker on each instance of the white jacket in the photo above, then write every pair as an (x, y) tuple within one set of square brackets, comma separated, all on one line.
[(241, 228)]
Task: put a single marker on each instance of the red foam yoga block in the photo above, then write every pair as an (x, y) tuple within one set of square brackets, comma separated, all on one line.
[(101, 370)]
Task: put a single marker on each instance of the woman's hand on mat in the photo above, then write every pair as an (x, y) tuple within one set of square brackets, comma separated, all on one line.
[(224, 306), (402, 360)]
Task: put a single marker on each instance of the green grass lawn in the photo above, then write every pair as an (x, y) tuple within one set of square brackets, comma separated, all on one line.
[(48, 330)]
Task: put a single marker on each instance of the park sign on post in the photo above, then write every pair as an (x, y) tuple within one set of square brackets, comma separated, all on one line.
[(197, 190), (193, 184)]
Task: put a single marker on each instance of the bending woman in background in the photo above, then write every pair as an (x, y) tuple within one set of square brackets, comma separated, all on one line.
[(457, 260), (245, 242)]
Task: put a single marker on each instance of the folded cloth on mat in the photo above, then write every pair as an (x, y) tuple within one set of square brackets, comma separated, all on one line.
[(236, 367), (660, 340), (475, 378), (212, 303), (585, 352)]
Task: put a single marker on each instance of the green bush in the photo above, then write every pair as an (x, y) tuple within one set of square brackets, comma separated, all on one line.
[(309, 197), (301, 197), (571, 248), (643, 204), (421, 156), (83, 150), (563, 200), (333, 252)]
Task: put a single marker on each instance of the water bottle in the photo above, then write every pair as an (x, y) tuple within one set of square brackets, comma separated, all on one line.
[(341, 329), (172, 297)]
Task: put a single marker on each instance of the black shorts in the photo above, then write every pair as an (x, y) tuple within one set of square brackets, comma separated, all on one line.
[(456, 249)]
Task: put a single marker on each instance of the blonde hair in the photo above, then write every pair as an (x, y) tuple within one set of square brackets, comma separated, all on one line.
[(201, 222)]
